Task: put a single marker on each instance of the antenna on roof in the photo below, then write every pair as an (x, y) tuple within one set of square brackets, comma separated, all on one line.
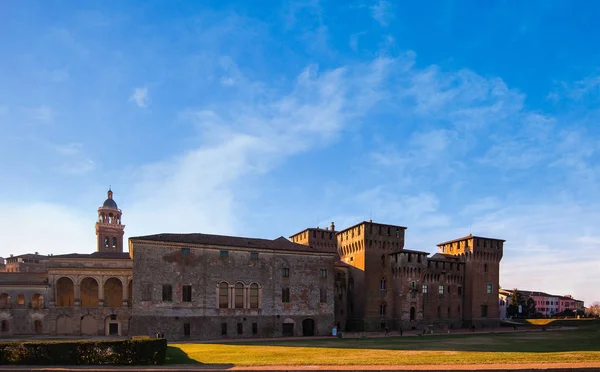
[(370, 215)]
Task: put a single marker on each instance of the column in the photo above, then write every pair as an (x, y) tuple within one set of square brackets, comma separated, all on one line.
[(76, 293), (101, 292), (231, 297), (125, 302), (246, 305)]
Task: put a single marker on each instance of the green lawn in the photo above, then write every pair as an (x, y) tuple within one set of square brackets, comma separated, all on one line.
[(580, 345)]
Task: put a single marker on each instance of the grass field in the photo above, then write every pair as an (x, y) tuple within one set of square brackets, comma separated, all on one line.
[(564, 346)]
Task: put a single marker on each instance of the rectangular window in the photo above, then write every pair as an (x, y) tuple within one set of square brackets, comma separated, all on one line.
[(285, 272), (223, 329), (425, 288), (459, 290), (254, 328), (146, 292), (186, 293), (254, 256), (441, 290), (21, 299), (224, 253), (323, 295), (186, 329), (489, 288), (484, 311), (167, 292), (240, 329), (323, 273), (285, 295), (185, 251)]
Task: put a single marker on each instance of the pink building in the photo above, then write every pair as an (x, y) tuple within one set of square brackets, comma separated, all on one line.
[(566, 303)]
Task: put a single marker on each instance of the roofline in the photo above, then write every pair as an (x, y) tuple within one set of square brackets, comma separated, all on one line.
[(470, 236), (249, 249), (373, 223), (410, 251), (310, 229)]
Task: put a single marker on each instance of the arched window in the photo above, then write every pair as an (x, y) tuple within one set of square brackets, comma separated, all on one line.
[(382, 309), (239, 295), (254, 296), (114, 242), (383, 260), (412, 313), (485, 268), (106, 242), (382, 284), (223, 295)]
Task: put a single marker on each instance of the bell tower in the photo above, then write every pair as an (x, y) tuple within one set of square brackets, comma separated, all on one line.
[(109, 230)]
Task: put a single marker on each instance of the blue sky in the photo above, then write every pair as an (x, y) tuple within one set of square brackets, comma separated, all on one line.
[(264, 118)]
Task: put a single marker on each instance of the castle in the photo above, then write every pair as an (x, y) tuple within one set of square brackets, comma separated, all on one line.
[(203, 286)]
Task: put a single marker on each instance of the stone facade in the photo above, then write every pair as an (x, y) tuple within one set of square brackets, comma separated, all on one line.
[(72, 294), (236, 287), (199, 286)]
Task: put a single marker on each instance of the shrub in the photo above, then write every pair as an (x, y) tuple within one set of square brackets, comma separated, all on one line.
[(115, 352)]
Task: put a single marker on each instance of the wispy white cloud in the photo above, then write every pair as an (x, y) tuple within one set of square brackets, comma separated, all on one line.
[(42, 113), (382, 12), (201, 183), (74, 161), (140, 97)]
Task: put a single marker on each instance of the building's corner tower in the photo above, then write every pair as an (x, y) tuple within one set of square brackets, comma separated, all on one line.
[(366, 247), (109, 230), (482, 257)]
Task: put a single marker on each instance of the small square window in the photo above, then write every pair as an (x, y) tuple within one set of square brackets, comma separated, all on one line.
[(425, 288), (185, 251), (489, 288), (323, 273), (224, 253), (254, 256), (285, 272)]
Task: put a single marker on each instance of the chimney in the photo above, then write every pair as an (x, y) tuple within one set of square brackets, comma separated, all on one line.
[(36, 253), (332, 226)]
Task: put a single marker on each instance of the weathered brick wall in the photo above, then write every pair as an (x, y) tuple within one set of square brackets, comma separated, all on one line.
[(204, 268)]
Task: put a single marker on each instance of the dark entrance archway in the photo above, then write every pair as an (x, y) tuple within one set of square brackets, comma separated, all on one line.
[(287, 328), (412, 313), (308, 327)]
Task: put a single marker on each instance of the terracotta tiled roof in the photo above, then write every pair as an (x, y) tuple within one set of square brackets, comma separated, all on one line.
[(281, 243)]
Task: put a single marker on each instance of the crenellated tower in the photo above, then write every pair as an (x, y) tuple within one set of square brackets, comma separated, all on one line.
[(109, 230), (482, 257)]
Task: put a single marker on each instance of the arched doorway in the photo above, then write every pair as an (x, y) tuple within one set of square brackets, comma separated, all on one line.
[(113, 292), (89, 326), (308, 327), (112, 326), (287, 328), (64, 325), (65, 292), (89, 292), (412, 313)]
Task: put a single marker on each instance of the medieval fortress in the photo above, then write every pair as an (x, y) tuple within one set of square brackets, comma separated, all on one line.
[(201, 286)]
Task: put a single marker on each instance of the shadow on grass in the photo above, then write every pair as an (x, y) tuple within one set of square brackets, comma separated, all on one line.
[(582, 339), (177, 356)]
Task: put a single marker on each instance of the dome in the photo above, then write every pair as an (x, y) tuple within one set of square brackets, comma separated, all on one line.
[(109, 203)]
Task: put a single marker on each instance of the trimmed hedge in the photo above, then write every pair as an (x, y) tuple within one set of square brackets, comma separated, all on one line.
[(114, 352)]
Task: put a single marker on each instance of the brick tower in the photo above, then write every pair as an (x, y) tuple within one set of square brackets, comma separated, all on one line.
[(109, 230)]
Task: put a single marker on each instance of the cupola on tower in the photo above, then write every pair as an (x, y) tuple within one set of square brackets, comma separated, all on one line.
[(109, 230)]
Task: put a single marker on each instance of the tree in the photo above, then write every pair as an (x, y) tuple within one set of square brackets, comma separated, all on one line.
[(593, 310)]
